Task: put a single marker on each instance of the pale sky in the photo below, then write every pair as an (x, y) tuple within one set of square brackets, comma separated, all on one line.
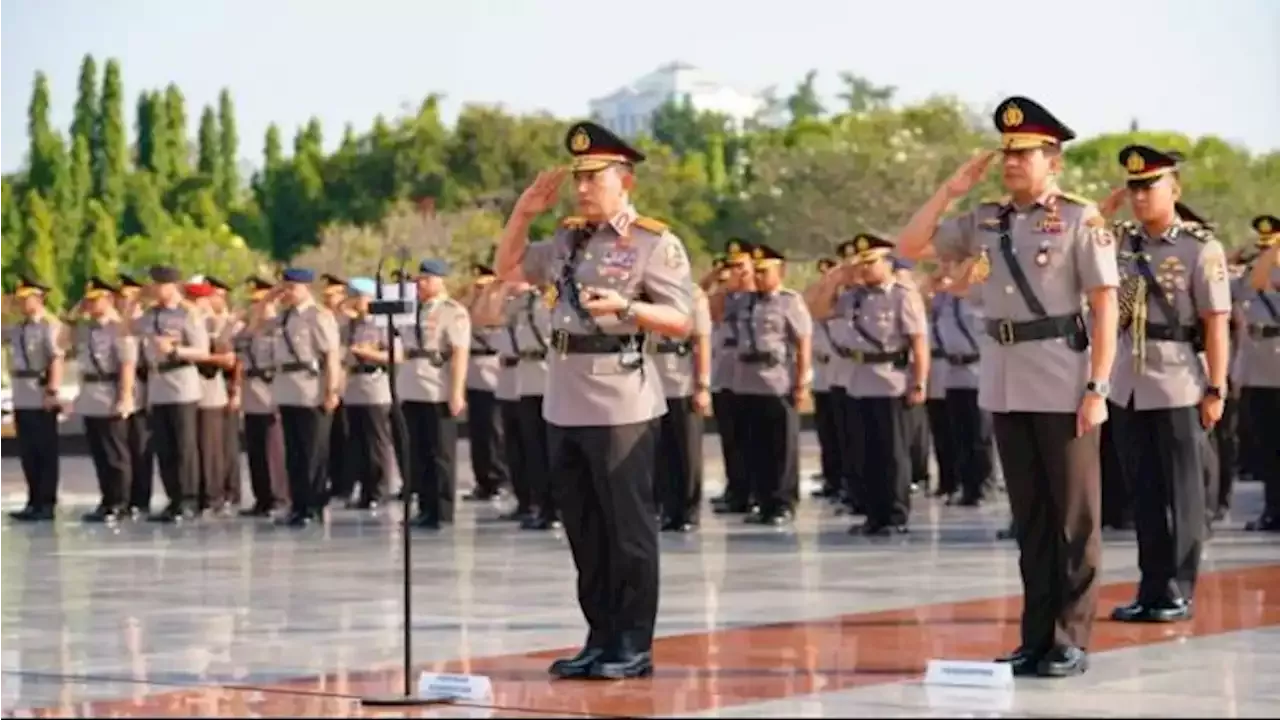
[(1185, 65)]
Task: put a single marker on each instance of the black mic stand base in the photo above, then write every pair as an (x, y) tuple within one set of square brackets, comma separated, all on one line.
[(403, 701)]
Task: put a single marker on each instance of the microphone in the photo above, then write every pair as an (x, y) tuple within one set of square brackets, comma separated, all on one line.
[(377, 277)]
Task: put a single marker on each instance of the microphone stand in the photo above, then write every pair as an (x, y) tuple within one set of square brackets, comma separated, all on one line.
[(390, 308)]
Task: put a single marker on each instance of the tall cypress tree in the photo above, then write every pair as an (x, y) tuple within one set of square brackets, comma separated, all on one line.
[(228, 148), (175, 109), (75, 217), (86, 112), (42, 157), (207, 155), (37, 256), (110, 151), (98, 251), (10, 232)]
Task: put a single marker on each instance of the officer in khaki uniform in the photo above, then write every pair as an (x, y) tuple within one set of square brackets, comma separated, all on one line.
[(432, 388), (221, 307), (1258, 309), (941, 431), (1175, 300), (213, 421), (108, 358), (35, 376), (174, 337), (916, 418), (836, 294), (1041, 253), (366, 397), (333, 297), (484, 421), (960, 323), (307, 389), (774, 377), (727, 304), (685, 369), (826, 416), (256, 347), (142, 454), (504, 311), (617, 275), (531, 331)]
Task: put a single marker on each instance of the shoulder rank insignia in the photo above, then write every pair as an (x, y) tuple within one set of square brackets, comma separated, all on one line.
[(573, 222), (1198, 231), (1077, 199), (995, 200), (657, 227)]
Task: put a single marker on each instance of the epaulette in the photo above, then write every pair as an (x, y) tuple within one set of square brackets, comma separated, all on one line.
[(1198, 231), (657, 227), (573, 222), (1077, 199), (788, 292), (995, 200)]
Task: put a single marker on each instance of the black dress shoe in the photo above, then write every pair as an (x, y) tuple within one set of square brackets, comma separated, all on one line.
[(678, 526), (731, 508), (1135, 611), (1024, 662), (578, 666), (1063, 661), (424, 521), (637, 665), (780, 518), (1267, 523), (516, 515), (1159, 611), (756, 516), (1009, 533), (540, 523)]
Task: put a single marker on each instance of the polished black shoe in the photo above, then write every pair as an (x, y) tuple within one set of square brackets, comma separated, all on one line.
[(780, 518), (678, 526), (1160, 611), (1267, 523), (423, 521), (1024, 662), (540, 523), (1062, 662), (755, 517), (103, 514), (633, 666), (1009, 533), (731, 508), (516, 515), (1135, 611), (578, 666)]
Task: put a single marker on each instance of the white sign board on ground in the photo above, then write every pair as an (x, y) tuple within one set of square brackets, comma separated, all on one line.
[(459, 688), (969, 673)]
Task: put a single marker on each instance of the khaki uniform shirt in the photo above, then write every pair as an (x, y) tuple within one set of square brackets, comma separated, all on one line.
[(102, 349), (483, 365), (636, 257), (363, 383), (1259, 355), (168, 382), (674, 358), (771, 329), (34, 344), (883, 319), (1190, 267), (533, 332), (961, 334), (213, 388), (1065, 250), (256, 350), (441, 327), (307, 336), (508, 387), (724, 339)]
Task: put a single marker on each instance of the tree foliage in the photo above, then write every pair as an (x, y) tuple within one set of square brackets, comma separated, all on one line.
[(806, 173)]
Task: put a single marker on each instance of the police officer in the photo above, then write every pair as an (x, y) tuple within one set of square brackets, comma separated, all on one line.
[(1175, 300), (366, 397), (837, 291), (142, 456), (915, 417), (685, 369), (212, 416), (1041, 252), (959, 327), (774, 378), (826, 416), (255, 345), (333, 297), (307, 390), (174, 337), (220, 307), (1259, 310), (618, 274), (532, 329), (432, 386), (108, 358), (35, 376), (727, 304), (940, 429), (484, 422), (502, 309)]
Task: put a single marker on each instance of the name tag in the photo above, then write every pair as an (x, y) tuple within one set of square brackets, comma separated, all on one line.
[(619, 259)]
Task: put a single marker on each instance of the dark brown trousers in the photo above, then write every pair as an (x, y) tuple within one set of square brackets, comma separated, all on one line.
[(1053, 478)]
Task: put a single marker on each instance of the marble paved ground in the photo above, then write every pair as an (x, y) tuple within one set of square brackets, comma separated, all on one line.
[(241, 618)]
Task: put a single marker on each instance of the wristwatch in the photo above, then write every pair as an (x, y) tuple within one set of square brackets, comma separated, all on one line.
[(627, 314), (1213, 391), (1101, 389)]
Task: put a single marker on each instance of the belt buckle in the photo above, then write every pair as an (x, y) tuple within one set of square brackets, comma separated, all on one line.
[(856, 356), (1005, 332), (560, 341)]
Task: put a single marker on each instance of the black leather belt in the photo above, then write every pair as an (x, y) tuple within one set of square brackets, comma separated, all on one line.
[(673, 347), (960, 360), (938, 354), (1173, 333), (1264, 332), (759, 358), (28, 374), (171, 365), (509, 362), (897, 357), (567, 343), (365, 369), (822, 358), (1008, 332), (435, 356), (534, 355), (264, 374), (99, 377), (730, 343), (292, 367), (481, 352)]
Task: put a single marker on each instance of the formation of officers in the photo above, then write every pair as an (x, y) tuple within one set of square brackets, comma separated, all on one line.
[(587, 363)]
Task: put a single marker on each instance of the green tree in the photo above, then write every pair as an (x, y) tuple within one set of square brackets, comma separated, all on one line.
[(208, 156), (110, 148), (86, 112), (154, 145), (228, 149), (98, 253), (37, 256), (145, 214), (43, 157), (10, 232), (175, 111), (804, 103), (861, 95)]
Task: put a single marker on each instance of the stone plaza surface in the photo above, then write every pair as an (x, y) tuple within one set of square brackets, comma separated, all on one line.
[(241, 618)]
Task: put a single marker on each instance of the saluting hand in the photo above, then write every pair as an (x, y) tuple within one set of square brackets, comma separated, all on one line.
[(542, 194), (1110, 205), (968, 175)]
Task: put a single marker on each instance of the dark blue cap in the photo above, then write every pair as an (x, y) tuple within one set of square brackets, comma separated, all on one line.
[(432, 266), (298, 275), (903, 264)]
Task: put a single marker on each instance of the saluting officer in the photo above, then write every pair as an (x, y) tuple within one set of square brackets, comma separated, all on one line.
[(366, 397), (432, 387), (142, 455), (959, 327), (618, 275), (1175, 300), (306, 389), (36, 375), (685, 369), (727, 304), (774, 378), (484, 421), (1259, 309), (826, 399), (108, 357), (938, 301), (256, 347), (174, 338), (1041, 252)]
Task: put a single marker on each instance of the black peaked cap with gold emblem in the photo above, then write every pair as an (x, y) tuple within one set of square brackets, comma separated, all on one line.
[(595, 147), (1268, 229), (737, 250), (1145, 164), (1024, 124), (27, 286), (869, 247), (97, 287), (765, 256)]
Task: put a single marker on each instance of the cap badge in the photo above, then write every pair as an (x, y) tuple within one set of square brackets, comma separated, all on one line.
[(1012, 116), (1264, 227), (1134, 163), (580, 142)]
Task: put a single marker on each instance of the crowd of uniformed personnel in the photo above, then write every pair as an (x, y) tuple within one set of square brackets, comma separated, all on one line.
[(1020, 326)]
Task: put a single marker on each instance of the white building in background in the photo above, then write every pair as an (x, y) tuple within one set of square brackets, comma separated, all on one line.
[(629, 110)]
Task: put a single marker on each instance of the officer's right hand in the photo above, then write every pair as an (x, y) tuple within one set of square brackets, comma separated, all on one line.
[(542, 195), (1110, 205), (968, 175)]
